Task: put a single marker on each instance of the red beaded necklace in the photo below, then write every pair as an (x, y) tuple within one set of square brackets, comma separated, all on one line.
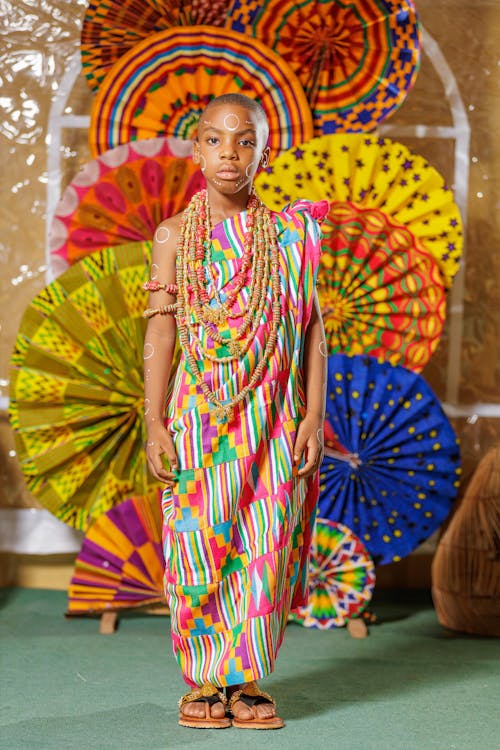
[(196, 307)]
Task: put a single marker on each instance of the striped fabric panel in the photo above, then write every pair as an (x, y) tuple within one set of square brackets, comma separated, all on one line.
[(215, 639), (237, 527)]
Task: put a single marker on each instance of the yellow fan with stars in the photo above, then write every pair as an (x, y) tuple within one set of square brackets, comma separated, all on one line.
[(372, 172)]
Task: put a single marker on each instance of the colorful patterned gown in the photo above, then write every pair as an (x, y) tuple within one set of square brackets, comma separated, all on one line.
[(237, 524)]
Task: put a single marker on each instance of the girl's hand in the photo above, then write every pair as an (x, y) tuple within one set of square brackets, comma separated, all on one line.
[(309, 441), (160, 444)]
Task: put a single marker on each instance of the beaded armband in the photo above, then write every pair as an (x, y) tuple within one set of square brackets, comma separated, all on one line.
[(157, 286), (162, 310)]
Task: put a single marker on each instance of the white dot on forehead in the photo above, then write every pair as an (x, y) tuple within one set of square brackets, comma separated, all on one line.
[(149, 350), (231, 121), (162, 234)]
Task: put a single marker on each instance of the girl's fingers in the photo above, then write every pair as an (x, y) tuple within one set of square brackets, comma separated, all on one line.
[(312, 463), (298, 448), (158, 452), (158, 470)]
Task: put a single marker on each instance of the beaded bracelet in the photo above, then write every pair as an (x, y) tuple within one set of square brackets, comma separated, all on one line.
[(162, 310), (156, 286)]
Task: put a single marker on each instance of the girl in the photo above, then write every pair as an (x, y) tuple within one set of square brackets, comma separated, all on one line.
[(235, 285)]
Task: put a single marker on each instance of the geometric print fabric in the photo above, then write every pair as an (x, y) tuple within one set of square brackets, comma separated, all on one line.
[(237, 523)]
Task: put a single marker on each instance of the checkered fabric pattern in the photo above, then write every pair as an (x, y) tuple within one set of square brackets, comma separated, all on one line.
[(237, 524)]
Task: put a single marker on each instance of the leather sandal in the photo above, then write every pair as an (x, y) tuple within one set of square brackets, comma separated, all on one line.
[(252, 696), (209, 695)]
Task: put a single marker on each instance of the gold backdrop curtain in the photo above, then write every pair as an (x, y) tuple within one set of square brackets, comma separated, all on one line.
[(41, 37)]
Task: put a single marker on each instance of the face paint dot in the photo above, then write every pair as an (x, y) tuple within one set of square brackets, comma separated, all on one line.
[(231, 122), (162, 235), (147, 406), (322, 349), (149, 350), (154, 271)]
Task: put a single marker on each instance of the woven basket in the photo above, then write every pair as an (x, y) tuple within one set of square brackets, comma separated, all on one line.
[(466, 566)]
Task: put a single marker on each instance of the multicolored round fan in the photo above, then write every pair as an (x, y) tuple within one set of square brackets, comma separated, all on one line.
[(372, 172), (356, 60), (396, 474), (379, 291), (111, 27), (120, 565), (76, 388), (122, 196), (161, 86), (341, 578)]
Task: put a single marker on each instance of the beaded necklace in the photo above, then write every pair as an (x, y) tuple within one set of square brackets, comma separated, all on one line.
[(195, 307)]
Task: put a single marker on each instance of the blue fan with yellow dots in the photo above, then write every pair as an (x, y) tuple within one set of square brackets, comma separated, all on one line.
[(391, 467)]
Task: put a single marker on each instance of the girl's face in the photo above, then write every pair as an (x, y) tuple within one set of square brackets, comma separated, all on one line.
[(229, 148)]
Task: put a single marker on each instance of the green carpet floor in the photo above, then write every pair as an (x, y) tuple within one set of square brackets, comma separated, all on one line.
[(410, 685)]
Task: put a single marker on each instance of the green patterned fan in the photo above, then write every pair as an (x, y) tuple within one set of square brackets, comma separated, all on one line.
[(76, 393)]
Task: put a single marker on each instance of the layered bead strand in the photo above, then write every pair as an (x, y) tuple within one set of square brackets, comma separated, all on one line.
[(195, 307)]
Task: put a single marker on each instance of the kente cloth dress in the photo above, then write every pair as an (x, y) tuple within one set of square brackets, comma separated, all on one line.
[(237, 524)]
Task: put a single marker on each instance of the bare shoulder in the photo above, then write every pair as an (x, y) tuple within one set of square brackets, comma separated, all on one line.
[(167, 233), (165, 248)]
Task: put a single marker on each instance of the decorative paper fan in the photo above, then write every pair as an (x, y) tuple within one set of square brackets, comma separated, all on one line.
[(397, 476), (76, 389), (112, 27), (341, 578), (356, 61), (161, 86), (371, 172), (120, 565), (122, 196), (379, 291)]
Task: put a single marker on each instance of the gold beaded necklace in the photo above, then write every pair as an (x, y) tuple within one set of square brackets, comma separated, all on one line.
[(195, 307)]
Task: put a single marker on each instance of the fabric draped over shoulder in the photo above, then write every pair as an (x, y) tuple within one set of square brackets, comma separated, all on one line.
[(237, 524), (314, 210)]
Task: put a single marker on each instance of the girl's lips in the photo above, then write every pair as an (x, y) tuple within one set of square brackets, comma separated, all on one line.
[(227, 174)]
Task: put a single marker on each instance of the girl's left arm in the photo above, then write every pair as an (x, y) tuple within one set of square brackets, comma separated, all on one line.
[(309, 438)]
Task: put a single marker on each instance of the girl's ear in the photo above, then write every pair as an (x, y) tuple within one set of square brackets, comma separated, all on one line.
[(196, 151), (264, 159)]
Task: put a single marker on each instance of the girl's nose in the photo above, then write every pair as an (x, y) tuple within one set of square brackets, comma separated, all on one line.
[(228, 151)]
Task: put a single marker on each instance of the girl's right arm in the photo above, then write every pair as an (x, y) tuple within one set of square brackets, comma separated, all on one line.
[(159, 345)]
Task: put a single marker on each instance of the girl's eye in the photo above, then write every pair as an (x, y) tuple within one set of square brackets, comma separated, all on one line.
[(212, 140), (246, 142)]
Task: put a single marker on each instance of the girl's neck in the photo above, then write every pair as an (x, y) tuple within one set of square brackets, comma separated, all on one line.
[(224, 206)]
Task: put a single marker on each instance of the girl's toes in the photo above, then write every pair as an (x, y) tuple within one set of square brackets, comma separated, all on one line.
[(194, 709), (242, 712), (217, 711), (265, 711)]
